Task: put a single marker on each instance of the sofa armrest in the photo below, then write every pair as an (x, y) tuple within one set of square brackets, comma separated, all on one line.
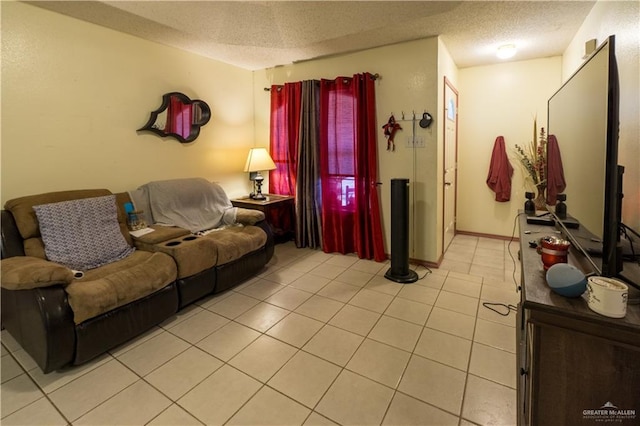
[(161, 234), (271, 242), (41, 321), (249, 216), (11, 241), (26, 272)]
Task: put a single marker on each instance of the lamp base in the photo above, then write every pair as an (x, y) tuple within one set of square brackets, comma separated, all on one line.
[(260, 196), (258, 183)]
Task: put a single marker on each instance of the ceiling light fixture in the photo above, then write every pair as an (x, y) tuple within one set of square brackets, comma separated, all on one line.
[(506, 51)]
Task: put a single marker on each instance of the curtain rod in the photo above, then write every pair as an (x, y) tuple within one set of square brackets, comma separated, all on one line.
[(375, 77)]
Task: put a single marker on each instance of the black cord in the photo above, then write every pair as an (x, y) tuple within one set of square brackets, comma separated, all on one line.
[(630, 229), (509, 308), (513, 234), (429, 271), (623, 230)]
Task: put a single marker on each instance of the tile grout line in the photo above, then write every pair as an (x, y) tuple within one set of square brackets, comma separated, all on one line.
[(44, 394), (466, 378), (404, 370), (299, 349)]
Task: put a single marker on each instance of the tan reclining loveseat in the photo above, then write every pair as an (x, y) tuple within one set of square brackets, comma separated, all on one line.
[(61, 319)]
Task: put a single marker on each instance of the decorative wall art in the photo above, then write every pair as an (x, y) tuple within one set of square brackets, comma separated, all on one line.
[(178, 117)]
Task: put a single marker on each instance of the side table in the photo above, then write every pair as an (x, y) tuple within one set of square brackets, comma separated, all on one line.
[(279, 211)]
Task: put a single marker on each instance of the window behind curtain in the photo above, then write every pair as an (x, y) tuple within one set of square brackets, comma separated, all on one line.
[(340, 164)]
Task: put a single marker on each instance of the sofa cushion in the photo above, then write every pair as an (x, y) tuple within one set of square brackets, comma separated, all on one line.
[(25, 272), (235, 241), (22, 208), (82, 234), (27, 222), (194, 254), (119, 283), (194, 204)]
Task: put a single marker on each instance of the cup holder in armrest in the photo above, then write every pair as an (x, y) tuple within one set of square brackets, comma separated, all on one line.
[(176, 243), (191, 254)]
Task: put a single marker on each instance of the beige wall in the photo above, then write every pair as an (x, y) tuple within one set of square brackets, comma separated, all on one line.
[(410, 82), (73, 95), (498, 100), (503, 99), (622, 20)]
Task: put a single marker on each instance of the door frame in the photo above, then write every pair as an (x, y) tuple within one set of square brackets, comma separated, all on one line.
[(448, 84)]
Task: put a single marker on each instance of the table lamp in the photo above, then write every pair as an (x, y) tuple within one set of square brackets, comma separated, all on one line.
[(257, 161)]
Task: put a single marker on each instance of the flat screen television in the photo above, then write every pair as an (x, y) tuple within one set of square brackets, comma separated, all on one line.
[(584, 117)]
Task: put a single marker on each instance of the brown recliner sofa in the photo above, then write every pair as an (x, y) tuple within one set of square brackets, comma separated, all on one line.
[(61, 320)]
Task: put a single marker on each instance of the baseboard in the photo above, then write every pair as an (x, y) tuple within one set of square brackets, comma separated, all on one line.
[(425, 263), (492, 236), (413, 261)]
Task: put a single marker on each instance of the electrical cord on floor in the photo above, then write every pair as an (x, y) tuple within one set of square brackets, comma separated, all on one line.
[(429, 271), (508, 308)]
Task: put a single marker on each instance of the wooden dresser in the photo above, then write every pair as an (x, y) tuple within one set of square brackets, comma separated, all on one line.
[(574, 366)]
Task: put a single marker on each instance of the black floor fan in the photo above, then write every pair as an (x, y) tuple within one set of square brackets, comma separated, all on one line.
[(399, 271)]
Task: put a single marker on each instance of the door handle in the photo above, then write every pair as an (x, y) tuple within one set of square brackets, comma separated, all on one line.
[(447, 183)]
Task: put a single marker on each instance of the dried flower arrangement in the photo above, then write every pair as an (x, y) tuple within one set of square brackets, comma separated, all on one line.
[(533, 158)]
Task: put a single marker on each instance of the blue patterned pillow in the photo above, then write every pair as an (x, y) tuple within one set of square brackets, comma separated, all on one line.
[(82, 234)]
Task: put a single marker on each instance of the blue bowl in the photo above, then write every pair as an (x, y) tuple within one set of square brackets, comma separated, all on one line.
[(566, 280)]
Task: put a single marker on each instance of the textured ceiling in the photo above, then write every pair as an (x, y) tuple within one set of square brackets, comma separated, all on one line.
[(257, 35)]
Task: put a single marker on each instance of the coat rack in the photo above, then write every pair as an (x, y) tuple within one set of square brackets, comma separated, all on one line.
[(415, 141)]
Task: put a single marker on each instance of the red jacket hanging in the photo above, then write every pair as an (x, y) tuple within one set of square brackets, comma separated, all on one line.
[(500, 172), (555, 172)]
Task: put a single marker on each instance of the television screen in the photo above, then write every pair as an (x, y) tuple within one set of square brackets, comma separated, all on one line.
[(583, 116), (577, 118)]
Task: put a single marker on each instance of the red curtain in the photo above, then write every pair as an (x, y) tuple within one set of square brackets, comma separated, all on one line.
[(284, 137), (348, 167)]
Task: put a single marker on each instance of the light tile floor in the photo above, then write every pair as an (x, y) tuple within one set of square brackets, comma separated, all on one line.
[(314, 339)]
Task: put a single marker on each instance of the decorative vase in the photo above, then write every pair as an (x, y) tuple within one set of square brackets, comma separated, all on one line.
[(541, 200)]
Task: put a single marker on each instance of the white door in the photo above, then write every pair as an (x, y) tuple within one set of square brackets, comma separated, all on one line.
[(450, 162)]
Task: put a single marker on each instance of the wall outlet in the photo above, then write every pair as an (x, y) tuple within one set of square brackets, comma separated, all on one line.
[(417, 142), (409, 142)]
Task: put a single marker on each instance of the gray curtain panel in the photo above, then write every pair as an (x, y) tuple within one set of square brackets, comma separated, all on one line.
[(308, 195)]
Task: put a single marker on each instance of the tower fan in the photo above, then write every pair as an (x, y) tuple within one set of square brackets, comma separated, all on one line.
[(399, 271)]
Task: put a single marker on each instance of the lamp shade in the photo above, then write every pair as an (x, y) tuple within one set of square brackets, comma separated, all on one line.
[(258, 160)]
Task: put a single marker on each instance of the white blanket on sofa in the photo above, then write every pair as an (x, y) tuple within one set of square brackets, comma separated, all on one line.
[(194, 204)]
